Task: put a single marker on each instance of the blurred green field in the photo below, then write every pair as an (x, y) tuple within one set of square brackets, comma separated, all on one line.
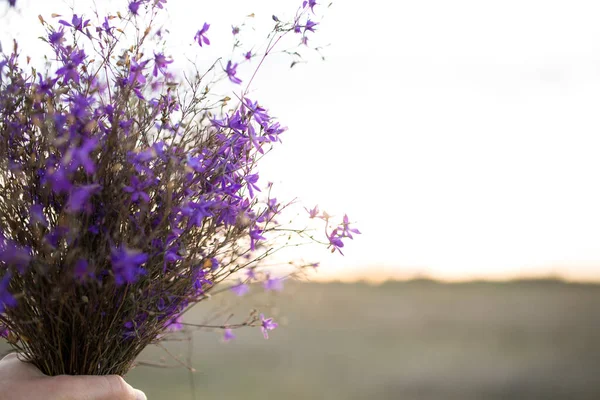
[(400, 340), (412, 340)]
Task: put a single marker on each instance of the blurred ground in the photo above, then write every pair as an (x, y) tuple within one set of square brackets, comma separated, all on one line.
[(401, 341)]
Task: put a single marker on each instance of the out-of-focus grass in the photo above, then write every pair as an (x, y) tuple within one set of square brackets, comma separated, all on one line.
[(413, 340)]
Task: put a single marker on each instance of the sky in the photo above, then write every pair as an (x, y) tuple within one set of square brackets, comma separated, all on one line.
[(462, 137)]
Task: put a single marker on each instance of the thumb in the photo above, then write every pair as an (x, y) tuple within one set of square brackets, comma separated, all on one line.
[(88, 387)]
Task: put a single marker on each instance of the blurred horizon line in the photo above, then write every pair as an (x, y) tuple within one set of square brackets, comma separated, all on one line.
[(541, 280), (382, 275)]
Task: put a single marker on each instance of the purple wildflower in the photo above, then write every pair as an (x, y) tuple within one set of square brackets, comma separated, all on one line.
[(248, 55), (127, 264), (228, 335), (12, 3), (201, 35), (69, 71), (136, 72), (59, 180), (160, 64), (171, 256), (201, 281), (105, 27), (310, 26), (309, 3), (76, 22), (81, 156), (250, 274), (230, 70), (78, 199), (346, 230), (251, 180), (174, 324), (258, 112), (4, 331), (273, 284), (313, 213), (45, 86), (335, 242), (134, 6), (199, 211), (136, 188), (136, 326), (235, 30), (240, 289), (255, 236), (267, 325), (80, 106), (159, 3), (56, 38), (236, 123)]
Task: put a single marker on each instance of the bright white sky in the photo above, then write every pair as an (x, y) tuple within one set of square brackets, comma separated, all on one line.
[(462, 136)]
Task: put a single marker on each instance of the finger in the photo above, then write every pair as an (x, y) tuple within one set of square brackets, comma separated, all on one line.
[(15, 366), (110, 387), (9, 357)]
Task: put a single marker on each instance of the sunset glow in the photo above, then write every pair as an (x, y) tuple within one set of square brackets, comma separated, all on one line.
[(461, 137)]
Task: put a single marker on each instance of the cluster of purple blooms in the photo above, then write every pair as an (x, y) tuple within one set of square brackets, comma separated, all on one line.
[(109, 177)]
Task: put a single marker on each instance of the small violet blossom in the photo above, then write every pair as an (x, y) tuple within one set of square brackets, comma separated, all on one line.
[(56, 38), (250, 274), (240, 289), (228, 335), (76, 22), (310, 26), (267, 325), (273, 284), (310, 3), (200, 281), (335, 242), (255, 236), (201, 35), (251, 180), (159, 3), (136, 72), (81, 155), (175, 324), (79, 197), (346, 230), (134, 7), (136, 188), (160, 64), (69, 71), (231, 70), (127, 264), (313, 213)]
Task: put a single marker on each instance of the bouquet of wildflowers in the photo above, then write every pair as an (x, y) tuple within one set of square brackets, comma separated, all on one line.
[(128, 194)]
